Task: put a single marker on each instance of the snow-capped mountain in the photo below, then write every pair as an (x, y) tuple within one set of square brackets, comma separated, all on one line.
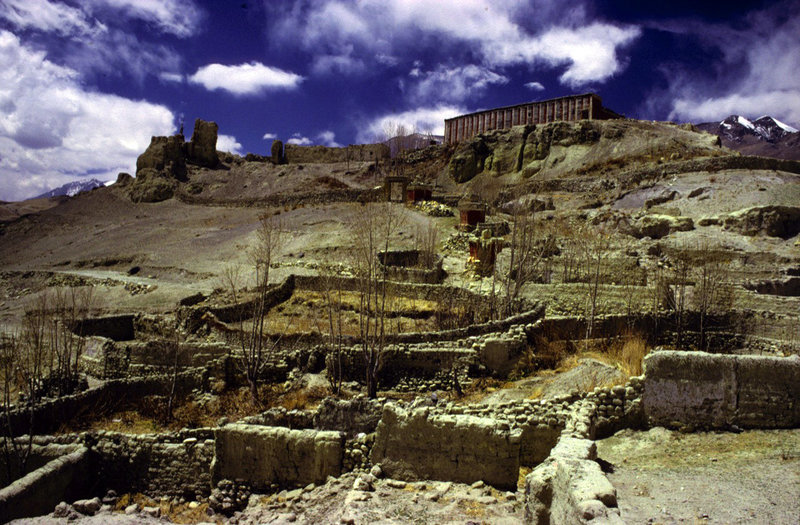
[(766, 128), (73, 188), (765, 136)]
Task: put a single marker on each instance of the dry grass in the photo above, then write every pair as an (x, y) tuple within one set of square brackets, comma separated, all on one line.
[(306, 312), (176, 513), (523, 473), (625, 353)]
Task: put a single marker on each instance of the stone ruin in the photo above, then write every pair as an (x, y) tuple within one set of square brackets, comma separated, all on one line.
[(285, 450), (164, 162)]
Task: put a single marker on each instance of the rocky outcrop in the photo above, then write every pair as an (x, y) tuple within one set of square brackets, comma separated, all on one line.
[(416, 445), (773, 221), (658, 226), (202, 149), (581, 147)]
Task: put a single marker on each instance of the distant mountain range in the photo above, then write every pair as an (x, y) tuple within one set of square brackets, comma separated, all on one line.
[(765, 136), (73, 188)]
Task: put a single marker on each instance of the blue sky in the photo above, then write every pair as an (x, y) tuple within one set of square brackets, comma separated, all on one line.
[(84, 84)]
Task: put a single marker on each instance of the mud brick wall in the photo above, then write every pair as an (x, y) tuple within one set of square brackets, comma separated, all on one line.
[(416, 445), (265, 455), (717, 391)]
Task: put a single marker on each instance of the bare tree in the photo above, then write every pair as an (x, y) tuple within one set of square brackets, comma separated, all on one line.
[(427, 241), (17, 379), (334, 300), (42, 360), (682, 263), (70, 307), (712, 293), (254, 345), (372, 231), (529, 248), (594, 245)]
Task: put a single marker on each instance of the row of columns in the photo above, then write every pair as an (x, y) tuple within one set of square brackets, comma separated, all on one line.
[(563, 109)]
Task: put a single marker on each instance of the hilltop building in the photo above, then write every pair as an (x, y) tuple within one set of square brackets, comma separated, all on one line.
[(575, 107)]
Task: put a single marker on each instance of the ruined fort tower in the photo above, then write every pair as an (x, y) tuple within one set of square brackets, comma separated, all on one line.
[(575, 107)]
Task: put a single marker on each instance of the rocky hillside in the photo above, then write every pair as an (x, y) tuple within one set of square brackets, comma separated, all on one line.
[(565, 149)]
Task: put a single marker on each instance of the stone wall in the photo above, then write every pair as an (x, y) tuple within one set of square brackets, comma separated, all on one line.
[(49, 415), (262, 456), (173, 464), (295, 154), (699, 390), (416, 445), (63, 478)]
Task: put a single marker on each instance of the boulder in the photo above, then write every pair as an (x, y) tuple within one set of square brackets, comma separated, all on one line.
[(773, 221), (202, 149), (165, 155)]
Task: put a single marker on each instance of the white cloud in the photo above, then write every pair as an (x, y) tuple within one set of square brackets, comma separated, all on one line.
[(453, 84), (783, 104), (343, 64), (759, 73), (43, 15), (244, 79), (534, 86), (300, 140), (93, 38), (328, 138), (269, 136), (501, 32), (175, 78), (228, 143), (52, 130), (421, 120), (177, 17), (589, 53)]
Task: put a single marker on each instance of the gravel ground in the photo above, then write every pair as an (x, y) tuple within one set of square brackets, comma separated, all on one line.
[(667, 477)]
